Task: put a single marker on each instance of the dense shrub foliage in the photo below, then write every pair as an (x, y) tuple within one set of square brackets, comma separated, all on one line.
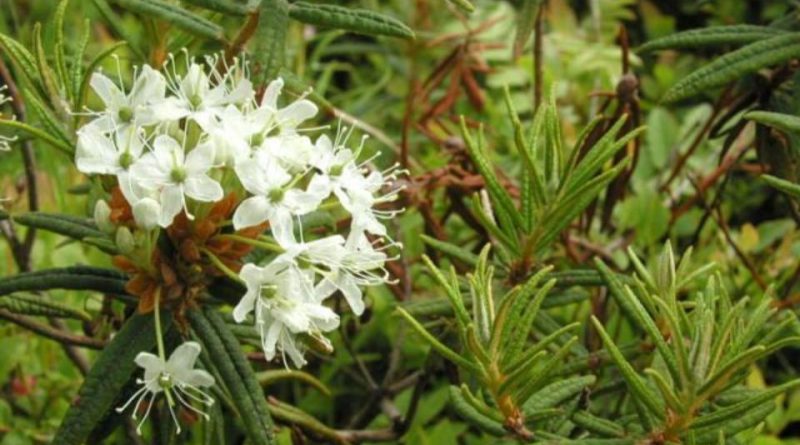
[(429, 221)]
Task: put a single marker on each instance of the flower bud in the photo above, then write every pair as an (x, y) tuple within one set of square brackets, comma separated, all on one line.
[(146, 212), (124, 240), (102, 217)]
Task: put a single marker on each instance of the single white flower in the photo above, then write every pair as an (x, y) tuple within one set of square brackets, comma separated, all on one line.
[(285, 120), (343, 265), (176, 378), (274, 200), (282, 296), (202, 98), (176, 177), (241, 131), (110, 155), (134, 108), (357, 189)]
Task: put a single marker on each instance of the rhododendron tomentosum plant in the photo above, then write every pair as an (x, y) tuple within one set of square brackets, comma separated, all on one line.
[(199, 170)]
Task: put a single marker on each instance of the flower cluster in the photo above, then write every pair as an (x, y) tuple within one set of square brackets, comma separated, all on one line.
[(212, 167)]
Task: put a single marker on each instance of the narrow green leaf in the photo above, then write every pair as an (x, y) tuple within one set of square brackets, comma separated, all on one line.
[(452, 292), (49, 123), (350, 19), (747, 420), (61, 64), (558, 392), (76, 228), (471, 415), (736, 64), (666, 390), (634, 309), (507, 213), (231, 7), (451, 250), (539, 376), (727, 414), (635, 383), (74, 278), (516, 336), (21, 58), (76, 74), (109, 374), (267, 378), (269, 42), (176, 15), (597, 425), (713, 36), (781, 121), (237, 374), (722, 377), (46, 75), (464, 5), (446, 352), (788, 187), (526, 19), (38, 305)]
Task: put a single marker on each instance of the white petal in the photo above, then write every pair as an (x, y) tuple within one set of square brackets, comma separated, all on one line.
[(270, 98), (150, 362), (252, 177), (184, 356), (270, 339), (168, 151), (148, 173), (280, 223), (169, 109), (352, 293), (288, 345), (242, 93), (198, 378), (252, 211), (109, 93), (96, 154), (149, 87), (171, 204), (297, 112), (201, 159), (203, 188)]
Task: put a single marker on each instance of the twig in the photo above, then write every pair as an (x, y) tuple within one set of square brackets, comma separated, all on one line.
[(538, 71), (52, 332), (29, 161), (719, 218)]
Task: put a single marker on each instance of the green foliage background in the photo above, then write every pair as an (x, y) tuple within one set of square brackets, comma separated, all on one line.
[(408, 94)]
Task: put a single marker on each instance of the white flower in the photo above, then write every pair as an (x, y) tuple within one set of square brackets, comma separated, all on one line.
[(358, 192), (282, 296), (360, 265), (273, 199), (176, 378), (176, 177), (201, 97), (110, 155), (242, 132), (125, 110), (344, 265)]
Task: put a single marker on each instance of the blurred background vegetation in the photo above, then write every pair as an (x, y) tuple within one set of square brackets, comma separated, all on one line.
[(692, 182)]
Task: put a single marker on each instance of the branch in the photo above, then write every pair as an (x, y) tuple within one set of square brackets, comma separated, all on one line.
[(52, 333)]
